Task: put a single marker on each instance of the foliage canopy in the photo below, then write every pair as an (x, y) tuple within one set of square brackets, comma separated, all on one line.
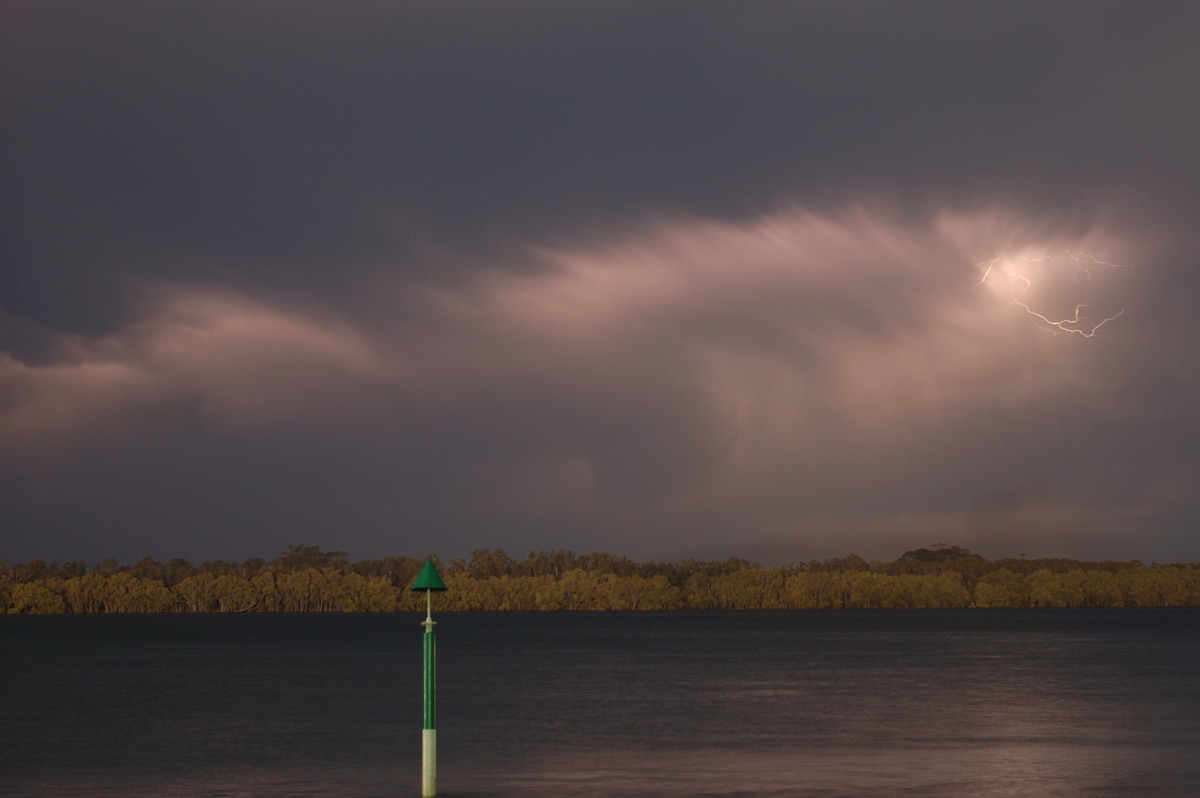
[(307, 579)]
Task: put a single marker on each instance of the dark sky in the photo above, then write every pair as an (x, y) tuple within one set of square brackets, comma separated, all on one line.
[(780, 280)]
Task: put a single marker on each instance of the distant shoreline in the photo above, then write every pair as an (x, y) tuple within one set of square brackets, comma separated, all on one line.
[(306, 579)]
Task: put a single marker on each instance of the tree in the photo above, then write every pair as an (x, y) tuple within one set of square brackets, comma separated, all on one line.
[(300, 557), (851, 562), (233, 593), (6, 584), (31, 571), (1098, 588), (73, 569), (85, 593), (813, 590), (604, 562), (198, 593), (489, 562), (267, 592), (940, 552), (148, 568), (123, 592), (948, 590), (252, 567), (1002, 588), (1045, 589), (175, 570), (646, 593), (555, 562), (367, 594), (748, 589), (40, 597), (108, 565), (580, 589)]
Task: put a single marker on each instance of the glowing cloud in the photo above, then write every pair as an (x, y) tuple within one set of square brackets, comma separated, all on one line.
[(243, 363), (726, 354), (776, 371)]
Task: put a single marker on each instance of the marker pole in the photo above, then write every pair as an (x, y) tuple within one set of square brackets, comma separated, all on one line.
[(429, 716), (429, 580)]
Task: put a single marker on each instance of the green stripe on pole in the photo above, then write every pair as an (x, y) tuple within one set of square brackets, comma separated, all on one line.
[(429, 717), (429, 713)]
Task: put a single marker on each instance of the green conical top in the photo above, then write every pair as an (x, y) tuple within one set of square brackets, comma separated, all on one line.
[(429, 578)]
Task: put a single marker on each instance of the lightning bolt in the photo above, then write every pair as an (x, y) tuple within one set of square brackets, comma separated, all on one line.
[(1019, 284)]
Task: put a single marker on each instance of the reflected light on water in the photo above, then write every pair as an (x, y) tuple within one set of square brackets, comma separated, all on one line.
[(971, 704), (1008, 770)]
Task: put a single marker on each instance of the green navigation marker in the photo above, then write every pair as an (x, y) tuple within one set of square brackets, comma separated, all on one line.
[(429, 580)]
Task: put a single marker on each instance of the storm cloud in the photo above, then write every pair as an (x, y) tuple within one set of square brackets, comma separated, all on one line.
[(666, 279)]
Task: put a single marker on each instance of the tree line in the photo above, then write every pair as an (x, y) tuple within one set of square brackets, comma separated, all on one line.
[(307, 579)]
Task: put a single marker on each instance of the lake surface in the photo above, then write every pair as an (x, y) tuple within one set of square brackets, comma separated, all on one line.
[(976, 703)]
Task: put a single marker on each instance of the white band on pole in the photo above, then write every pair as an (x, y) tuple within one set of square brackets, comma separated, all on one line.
[(428, 763)]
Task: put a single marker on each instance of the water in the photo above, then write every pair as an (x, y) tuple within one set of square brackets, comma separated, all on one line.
[(926, 703)]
